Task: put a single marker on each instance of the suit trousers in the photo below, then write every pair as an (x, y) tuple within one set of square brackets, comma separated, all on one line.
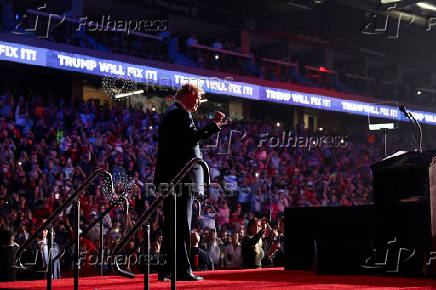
[(183, 234)]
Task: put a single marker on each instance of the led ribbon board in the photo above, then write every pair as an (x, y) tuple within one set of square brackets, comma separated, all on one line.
[(145, 74)]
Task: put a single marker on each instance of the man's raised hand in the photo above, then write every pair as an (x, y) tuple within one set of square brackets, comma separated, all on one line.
[(219, 118)]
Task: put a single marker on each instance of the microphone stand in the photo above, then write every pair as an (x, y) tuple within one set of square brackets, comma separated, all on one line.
[(419, 130), (412, 119)]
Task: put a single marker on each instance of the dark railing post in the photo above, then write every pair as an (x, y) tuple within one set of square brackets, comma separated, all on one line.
[(71, 199), (50, 258), (147, 259), (91, 226), (101, 249), (174, 270), (166, 193), (77, 246)]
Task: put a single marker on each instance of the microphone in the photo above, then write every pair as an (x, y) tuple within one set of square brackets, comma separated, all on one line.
[(406, 113), (416, 123)]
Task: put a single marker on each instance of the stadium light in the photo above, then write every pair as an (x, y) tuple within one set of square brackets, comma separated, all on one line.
[(381, 126), (217, 57), (425, 5), (278, 124), (389, 1), (138, 92), (418, 92)]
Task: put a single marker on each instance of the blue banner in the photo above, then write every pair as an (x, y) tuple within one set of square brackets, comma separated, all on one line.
[(166, 78)]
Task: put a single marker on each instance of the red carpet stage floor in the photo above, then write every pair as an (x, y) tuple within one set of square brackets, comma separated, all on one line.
[(270, 278)]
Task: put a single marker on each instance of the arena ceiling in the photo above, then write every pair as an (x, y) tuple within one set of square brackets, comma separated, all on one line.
[(353, 28)]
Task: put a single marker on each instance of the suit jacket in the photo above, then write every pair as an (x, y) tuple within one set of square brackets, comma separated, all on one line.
[(7, 272), (178, 143), (37, 260)]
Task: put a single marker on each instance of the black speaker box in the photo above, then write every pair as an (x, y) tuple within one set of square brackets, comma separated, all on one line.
[(329, 240)]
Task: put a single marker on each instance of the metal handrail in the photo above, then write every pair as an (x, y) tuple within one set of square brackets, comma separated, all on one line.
[(56, 213), (141, 243), (122, 199), (147, 214)]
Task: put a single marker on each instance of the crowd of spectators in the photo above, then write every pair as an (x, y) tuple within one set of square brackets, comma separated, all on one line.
[(49, 146)]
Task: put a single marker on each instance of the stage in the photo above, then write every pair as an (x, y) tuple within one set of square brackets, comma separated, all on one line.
[(269, 278)]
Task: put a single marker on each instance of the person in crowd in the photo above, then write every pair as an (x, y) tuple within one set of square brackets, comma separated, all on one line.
[(252, 246), (192, 40), (233, 252), (214, 247), (209, 217), (155, 256), (223, 215), (22, 235), (200, 259), (192, 51), (94, 233), (271, 245), (278, 257), (45, 153), (8, 248), (39, 254), (107, 220), (218, 44)]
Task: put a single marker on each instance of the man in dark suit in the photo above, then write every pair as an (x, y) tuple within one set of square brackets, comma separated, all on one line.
[(37, 257), (178, 143)]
